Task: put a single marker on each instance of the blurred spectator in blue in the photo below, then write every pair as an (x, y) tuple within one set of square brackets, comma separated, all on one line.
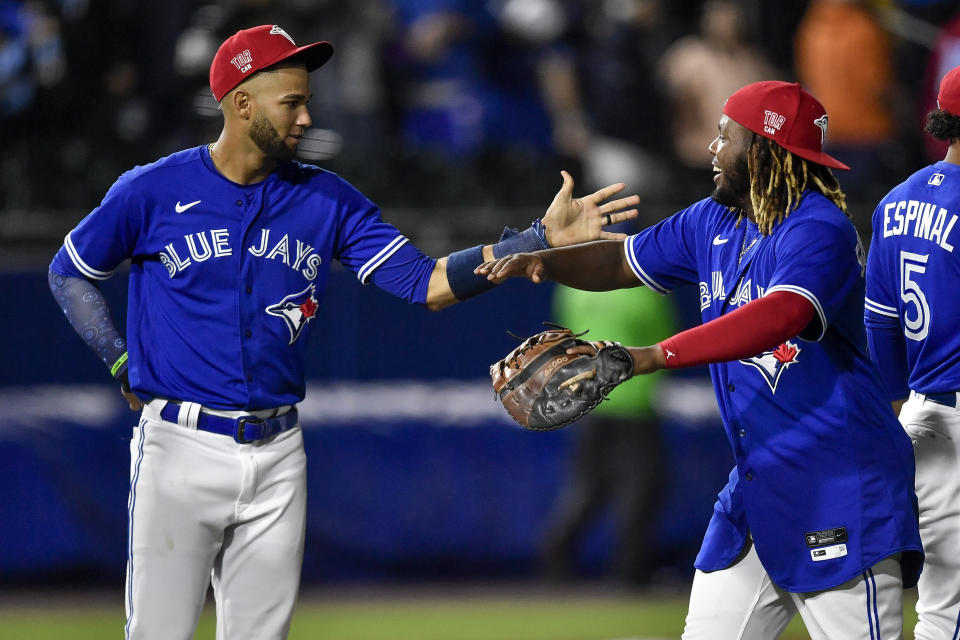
[(844, 57), (624, 98), (31, 54), (481, 75), (700, 72), (31, 62)]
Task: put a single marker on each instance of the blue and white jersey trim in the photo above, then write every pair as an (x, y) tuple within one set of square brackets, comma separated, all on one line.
[(638, 270), (881, 309), (371, 265), (82, 266), (813, 300)]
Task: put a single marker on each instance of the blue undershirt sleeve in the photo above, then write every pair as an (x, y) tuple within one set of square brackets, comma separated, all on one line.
[(88, 312)]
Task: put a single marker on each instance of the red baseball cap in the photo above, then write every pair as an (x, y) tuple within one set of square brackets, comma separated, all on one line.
[(785, 113), (948, 98), (251, 50)]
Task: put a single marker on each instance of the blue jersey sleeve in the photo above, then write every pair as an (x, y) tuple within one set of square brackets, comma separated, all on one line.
[(889, 351), (664, 256), (406, 274), (880, 305), (377, 252), (105, 238), (881, 317), (818, 260)]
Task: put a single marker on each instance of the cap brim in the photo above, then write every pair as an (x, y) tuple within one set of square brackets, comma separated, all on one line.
[(313, 55), (817, 157)]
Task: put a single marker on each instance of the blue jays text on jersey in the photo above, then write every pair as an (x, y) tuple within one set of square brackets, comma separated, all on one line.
[(816, 445), (226, 279), (912, 275)]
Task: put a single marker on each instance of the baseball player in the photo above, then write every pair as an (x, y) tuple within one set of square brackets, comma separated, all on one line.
[(230, 246), (912, 328), (818, 515)]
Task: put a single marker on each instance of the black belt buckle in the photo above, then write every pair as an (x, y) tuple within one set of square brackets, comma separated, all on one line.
[(239, 432)]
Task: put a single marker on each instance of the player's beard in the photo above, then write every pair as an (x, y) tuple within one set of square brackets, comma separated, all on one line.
[(268, 140), (734, 187)]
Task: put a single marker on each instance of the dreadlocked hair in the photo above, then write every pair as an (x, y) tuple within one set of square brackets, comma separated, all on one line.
[(778, 179)]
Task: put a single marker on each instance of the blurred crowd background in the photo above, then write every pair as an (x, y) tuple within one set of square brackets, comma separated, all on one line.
[(436, 107), (455, 116)]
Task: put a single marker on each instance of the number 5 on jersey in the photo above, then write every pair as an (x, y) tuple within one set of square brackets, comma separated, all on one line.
[(911, 265)]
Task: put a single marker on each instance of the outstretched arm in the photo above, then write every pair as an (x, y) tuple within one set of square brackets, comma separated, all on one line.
[(594, 266), (568, 221), (755, 327)]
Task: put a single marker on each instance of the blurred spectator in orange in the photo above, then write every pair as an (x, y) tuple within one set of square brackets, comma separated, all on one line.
[(845, 58), (700, 72)]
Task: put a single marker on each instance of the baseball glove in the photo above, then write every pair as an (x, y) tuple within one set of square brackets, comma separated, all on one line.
[(543, 387)]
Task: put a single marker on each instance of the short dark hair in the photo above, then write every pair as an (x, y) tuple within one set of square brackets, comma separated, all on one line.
[(943, 125)]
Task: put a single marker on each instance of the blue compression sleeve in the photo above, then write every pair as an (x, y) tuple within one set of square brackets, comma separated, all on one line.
[(460, 276), (889, 352), (513, 241), (87, 310), (460, 265)]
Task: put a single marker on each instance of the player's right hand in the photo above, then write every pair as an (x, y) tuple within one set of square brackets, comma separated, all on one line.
[(518, 265)]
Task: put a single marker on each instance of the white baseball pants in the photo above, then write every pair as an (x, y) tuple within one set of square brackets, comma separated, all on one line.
[(935, 431), (204, 509), (741, 603)]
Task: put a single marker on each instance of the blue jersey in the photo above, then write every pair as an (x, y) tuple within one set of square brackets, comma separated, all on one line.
[(912, 275), (823, 480), (226, 279)]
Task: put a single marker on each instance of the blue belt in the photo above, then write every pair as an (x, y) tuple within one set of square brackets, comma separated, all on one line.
[(244, 429), (947, 399)]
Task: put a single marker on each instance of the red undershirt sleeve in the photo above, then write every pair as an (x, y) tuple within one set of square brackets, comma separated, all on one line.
[(753, 328)]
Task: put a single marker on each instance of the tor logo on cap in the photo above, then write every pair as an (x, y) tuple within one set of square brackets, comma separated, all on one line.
[(772, 121), (242, 61)]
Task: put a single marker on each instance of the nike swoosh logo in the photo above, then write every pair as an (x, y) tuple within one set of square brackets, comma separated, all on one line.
[(183, 207), (719, 240)]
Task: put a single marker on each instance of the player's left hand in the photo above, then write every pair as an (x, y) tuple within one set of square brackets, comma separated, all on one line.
[(645, 359), (135, 403), (572, 220)]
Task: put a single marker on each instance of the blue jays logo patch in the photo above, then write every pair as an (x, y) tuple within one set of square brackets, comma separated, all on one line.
[(772, 364), (296, 310)]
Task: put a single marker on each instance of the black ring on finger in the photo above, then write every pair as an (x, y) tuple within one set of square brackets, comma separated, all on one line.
[(605, 219)]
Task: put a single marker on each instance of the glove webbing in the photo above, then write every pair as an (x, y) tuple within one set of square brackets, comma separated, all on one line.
[(534, 367)]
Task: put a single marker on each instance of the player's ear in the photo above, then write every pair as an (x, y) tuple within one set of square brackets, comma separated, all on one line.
[(240, 99)]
